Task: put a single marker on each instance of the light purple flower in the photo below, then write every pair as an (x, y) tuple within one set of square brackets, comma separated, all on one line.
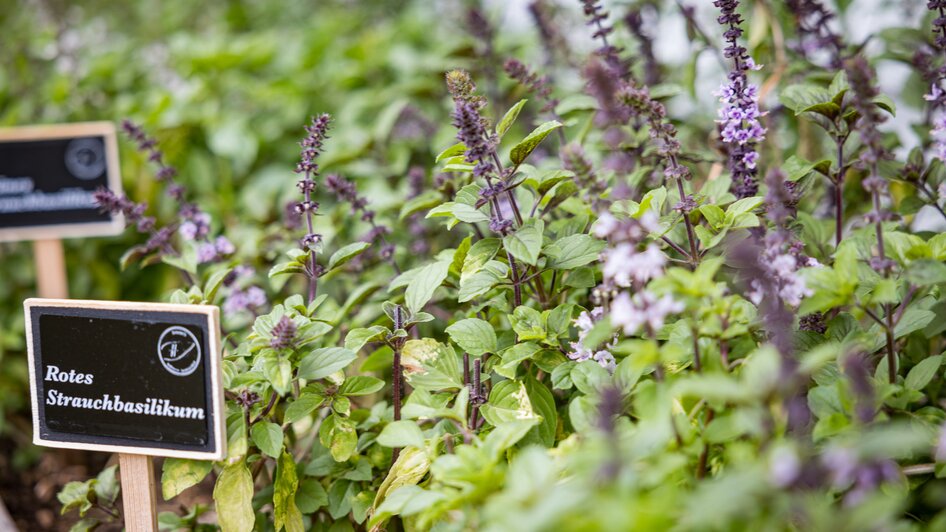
[(623, 264), (224, 246), (644, 308), (938, 133), (782, 269), (187, 230), (247, 300), (935, 94), (739, 114), (235, 303), (256, 296), (606, 360), (585, 322), (206, 252), (626, 230), (195, 227), (751, 64), (784, 466), (750, 159)]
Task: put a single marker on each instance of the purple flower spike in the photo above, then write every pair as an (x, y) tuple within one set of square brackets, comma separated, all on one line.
[(739, 116)]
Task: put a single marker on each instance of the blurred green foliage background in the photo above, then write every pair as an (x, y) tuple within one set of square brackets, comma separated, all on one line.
[(226, 87)]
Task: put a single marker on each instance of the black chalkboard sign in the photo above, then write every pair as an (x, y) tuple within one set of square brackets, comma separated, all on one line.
[(48, 175), (126, 377)]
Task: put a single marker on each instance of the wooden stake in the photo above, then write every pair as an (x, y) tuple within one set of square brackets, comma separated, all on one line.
[(138, 493), (50, 260)]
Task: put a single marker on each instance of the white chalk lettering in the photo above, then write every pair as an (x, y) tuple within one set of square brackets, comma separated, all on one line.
[(54, 374), (151, 406)]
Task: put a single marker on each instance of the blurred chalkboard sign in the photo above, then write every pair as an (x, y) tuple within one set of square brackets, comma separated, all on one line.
[(48, 175), (141, 378)]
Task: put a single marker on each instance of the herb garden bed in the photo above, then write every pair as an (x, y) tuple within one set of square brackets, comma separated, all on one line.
[(518, 280)]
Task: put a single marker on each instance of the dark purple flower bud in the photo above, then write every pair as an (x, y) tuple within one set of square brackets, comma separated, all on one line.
[(875, 184), (292, 220), (537, 85), (635, 22), (552, 39), (813, 322), (160, 239), (412, 124), (307, 206), (145, 224), (574, 160), (283, 334), (306, 185), (376, 232), (358, 204), (814, 24), (246, 398), (686, 205), (491, 191), (317, 133), (342, 188), (479, 26), (597, 19), (882, 265), (605, 88), (175, 190), (500, 226), (107, 200), (416, 178), (311, 240), (779, 201), (857, 370), (677, 172), (479, 144)]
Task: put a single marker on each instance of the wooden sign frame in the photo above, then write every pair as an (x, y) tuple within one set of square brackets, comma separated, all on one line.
[(113, 176), (217, 424)]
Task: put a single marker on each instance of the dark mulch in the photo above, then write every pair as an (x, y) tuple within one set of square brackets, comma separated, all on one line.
[(31, 477)]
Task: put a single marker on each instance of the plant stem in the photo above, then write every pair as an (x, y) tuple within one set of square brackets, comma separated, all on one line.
[(891, 354), (694, 251), (466, 369), (882, 255), (398, 370), (269, 406), (838, 214), (113, 512), (676, 247), (397, 384), (930, 196), (839, 192), (313, 264), (697, 363), (701, 465), (903, 305), (516, 288), (475, 397)]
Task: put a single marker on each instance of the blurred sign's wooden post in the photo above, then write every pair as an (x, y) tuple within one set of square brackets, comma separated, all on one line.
[(138, 492), (51, 281), (48, 176)]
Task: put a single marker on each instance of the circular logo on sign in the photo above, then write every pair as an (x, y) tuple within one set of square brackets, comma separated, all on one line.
[(179, 351), (85, 158)]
